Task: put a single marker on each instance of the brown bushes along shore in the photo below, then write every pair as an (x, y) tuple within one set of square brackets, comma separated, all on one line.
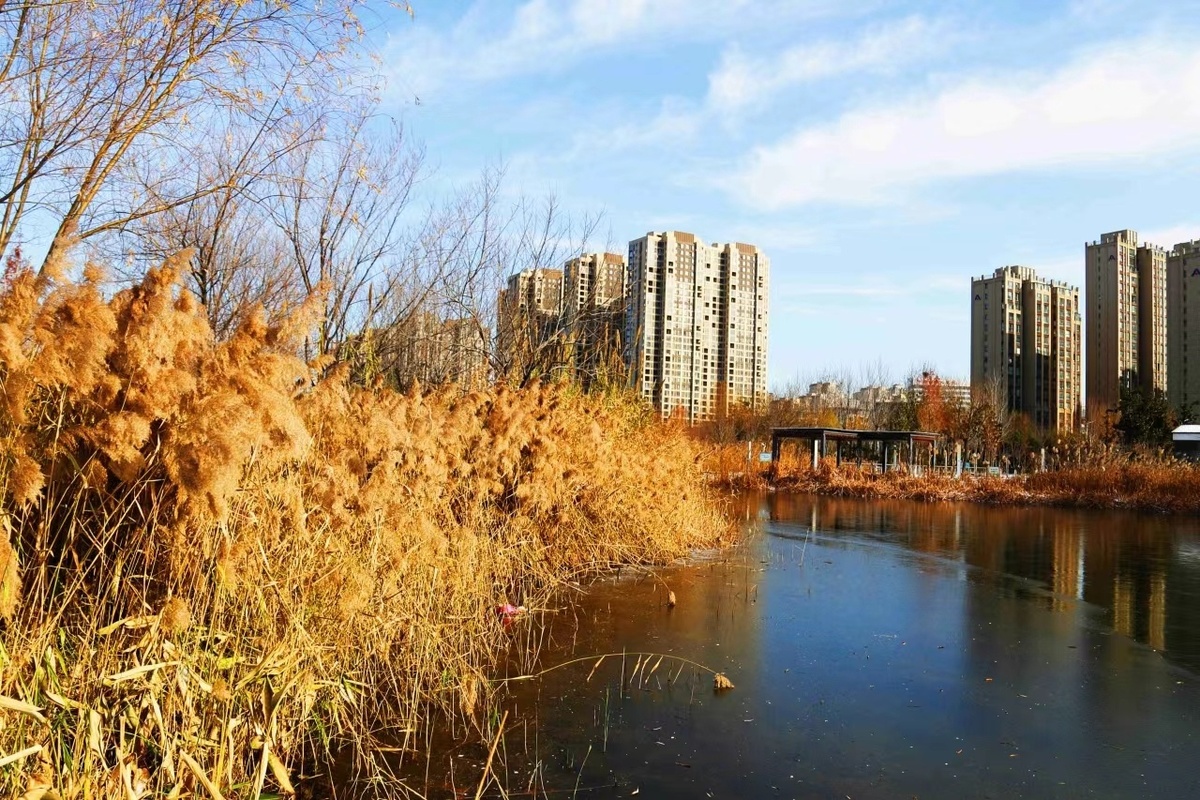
[(1156, 486), (211, 565)]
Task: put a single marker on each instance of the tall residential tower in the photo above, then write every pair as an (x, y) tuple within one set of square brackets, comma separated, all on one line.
[(1183, 324), (594, 292), (1025, 338), (528, 318), (696, 324), (1126, 298)]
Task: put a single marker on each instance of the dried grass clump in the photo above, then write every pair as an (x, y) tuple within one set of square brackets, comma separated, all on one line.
[(214, 565)]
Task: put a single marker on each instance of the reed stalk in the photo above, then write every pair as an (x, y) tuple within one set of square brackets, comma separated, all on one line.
[(219, 563)]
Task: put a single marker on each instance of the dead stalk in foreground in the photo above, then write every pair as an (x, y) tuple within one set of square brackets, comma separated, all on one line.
[(216, 568)]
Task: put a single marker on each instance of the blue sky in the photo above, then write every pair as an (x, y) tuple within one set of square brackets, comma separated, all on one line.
[(882, 153)]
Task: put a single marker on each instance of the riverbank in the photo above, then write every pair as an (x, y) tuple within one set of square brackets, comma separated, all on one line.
[(1155, 487), (1148, 484), (219, 563)]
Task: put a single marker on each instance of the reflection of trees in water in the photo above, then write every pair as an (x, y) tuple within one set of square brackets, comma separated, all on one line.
[(1127, 563)]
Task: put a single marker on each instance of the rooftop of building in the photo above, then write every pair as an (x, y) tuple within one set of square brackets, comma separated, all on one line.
[(1022, 271)]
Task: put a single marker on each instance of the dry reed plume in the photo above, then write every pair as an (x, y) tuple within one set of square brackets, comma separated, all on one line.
[(213, 567)]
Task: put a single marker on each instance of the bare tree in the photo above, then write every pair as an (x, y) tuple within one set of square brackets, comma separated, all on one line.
[(463, 240), (95, 90), (341, 207), (536, 342), (239, 261)]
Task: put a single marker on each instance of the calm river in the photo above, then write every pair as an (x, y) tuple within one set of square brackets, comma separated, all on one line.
[(879, 649)]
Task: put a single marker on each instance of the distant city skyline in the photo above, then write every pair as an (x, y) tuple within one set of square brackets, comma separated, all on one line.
[(881, 154)]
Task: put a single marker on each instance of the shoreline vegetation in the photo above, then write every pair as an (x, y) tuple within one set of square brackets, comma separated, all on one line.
[(219, 564), (1150, 483)]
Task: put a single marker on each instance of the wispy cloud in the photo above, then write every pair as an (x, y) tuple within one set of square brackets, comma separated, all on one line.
[(1118, 104), (541, 36), (745, 81), (1170, 236)]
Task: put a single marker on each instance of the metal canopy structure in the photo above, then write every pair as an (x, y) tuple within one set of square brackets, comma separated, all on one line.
[(1186, 440), (821, 437)]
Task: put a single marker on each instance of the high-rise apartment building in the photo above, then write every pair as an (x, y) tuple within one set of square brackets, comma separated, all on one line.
[(742, 349), (1025, 339), (534, 291), (595, 286), (431, 350), (1126, 297), (1183, 324), (528, 317), (696, 324)]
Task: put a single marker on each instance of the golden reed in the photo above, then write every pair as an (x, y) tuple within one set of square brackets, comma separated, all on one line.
[(218, 561)]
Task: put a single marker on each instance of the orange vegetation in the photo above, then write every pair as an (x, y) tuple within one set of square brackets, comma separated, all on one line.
[(1160, 486), (216, 558)]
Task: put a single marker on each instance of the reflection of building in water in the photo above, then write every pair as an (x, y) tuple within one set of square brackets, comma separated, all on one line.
[(1157, 634), (1127, 565), (1141, 615), (926, 528), (1067, 573), (1124, 563), (1122, 606)]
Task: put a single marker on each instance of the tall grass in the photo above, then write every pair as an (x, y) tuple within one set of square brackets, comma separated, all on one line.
[(214, 565)]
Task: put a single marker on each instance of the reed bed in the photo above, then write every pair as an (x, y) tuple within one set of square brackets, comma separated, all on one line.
[(1161, 486), (219, 563), (734, 467)]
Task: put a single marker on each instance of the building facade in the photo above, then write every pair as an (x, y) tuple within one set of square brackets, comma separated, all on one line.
[(595, 287), (434, 351), (742, 345), (1125, 292), (1026, 340), (1183, 324), (529, 320), (696, 324)]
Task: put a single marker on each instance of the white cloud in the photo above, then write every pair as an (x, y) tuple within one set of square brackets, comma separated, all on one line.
[(545, 35), (1170, 236), (741, 81), (675, 122), (1115, 105)]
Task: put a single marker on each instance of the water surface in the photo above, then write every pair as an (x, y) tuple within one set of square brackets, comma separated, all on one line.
[(879, 649)]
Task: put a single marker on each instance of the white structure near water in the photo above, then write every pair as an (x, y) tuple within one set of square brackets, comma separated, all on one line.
[(1186, 441)]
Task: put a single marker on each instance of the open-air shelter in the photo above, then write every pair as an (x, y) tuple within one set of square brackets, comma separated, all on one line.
[(891, 443), (1186, 442)]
